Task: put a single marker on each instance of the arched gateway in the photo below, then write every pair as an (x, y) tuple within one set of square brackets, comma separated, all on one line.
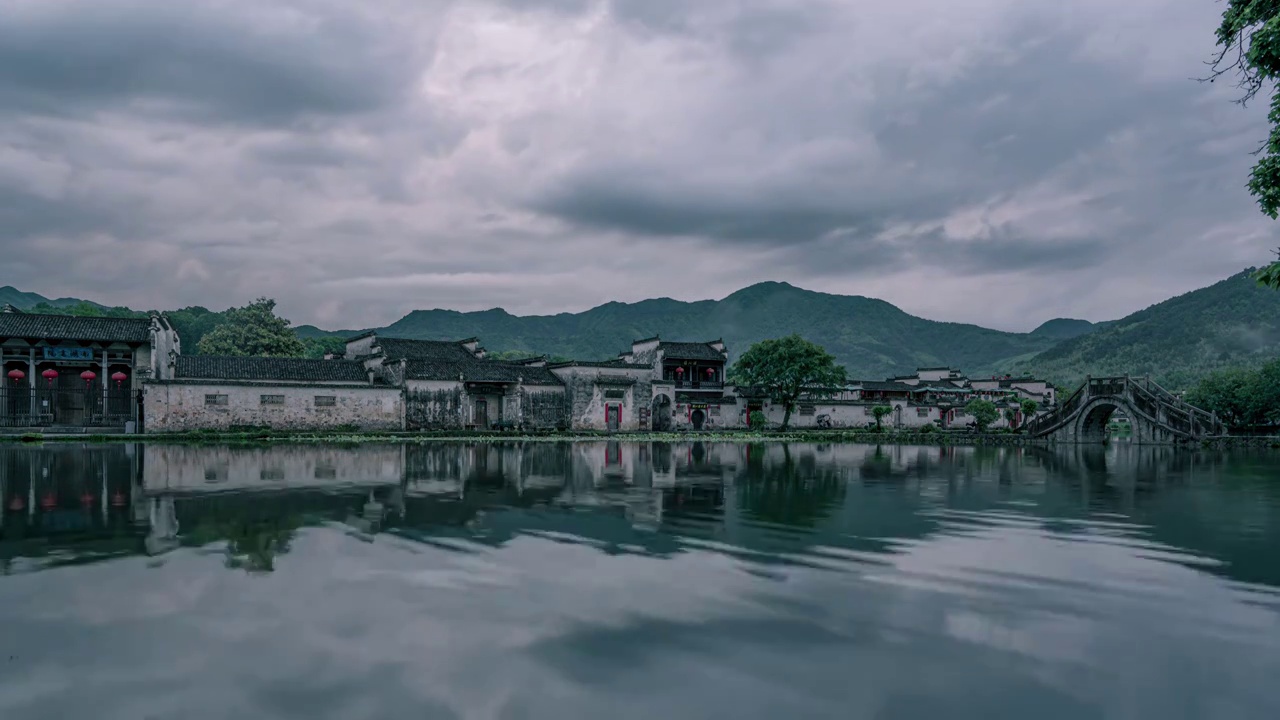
[(1156, 415)]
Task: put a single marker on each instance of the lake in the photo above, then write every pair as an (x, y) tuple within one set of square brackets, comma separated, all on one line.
[(638, 580)]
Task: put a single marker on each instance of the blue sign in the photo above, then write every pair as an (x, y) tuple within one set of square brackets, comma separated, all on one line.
[(68, 353)]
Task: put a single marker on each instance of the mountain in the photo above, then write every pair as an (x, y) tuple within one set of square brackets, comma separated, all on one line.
[(1231, 323), (872, 338), (10, 295), (1064, 329)]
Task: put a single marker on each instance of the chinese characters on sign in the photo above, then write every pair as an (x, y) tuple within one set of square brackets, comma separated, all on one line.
[(68, 353)]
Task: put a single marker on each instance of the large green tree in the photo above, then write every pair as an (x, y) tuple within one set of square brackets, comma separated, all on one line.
[(787, 368), (984, 412), (253, 330), (1249, 47), (1240, 397)]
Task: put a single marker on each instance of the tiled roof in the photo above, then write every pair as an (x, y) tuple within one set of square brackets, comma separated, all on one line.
[(689, 351), (617, 363), (439, 350), (476, 370), (66, 327), (211, 367), (884, 386)]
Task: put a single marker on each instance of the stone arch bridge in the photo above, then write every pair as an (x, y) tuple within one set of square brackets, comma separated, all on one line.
[(1156, 415)]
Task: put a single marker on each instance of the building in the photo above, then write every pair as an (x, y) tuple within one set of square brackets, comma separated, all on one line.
[(231, 393), (688, 381), (64, 371), (452, 384)]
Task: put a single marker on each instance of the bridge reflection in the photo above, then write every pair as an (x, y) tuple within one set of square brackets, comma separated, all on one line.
[(66, 503)]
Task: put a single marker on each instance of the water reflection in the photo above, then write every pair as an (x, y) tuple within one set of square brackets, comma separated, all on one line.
[(68, 504), (571, 579)]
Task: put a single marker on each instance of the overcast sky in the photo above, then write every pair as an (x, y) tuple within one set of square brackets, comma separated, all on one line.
[(1000, 162)]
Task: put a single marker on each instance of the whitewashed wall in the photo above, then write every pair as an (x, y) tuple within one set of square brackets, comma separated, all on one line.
[(176, 406)]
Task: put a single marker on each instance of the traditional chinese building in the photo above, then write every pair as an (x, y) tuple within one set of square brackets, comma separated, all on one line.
[(78, 372)]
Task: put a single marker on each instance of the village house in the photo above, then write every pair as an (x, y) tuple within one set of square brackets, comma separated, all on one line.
[(228, 393), (688, 380), (452, 384), (79, 372)]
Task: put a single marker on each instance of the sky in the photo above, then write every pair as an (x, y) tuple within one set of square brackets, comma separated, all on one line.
[(999, 162)]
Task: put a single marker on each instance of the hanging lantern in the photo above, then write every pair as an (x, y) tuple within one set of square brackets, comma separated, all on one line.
[(710, 372), (88, 376), (49, 501), (679, 371), (117, 499), (16, 504), (16, 376), (119, 377), (49, 375)]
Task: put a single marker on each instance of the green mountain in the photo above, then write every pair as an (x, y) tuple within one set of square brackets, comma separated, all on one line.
[(872, 338), (1232, 323), (1064, 329), (10, 295)]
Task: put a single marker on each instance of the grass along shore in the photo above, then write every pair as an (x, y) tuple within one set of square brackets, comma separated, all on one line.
[(856, 436)]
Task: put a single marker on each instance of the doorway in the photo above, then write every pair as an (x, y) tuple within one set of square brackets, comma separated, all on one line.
[(612, 417), (698, 418), (482, 414)]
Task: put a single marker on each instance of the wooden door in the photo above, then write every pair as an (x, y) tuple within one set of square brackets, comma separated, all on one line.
[(482, 413)]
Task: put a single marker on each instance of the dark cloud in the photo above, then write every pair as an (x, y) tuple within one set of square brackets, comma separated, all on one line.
[(196, 60), (358, 160)]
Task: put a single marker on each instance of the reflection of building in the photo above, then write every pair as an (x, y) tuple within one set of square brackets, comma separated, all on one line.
[(79, 371)]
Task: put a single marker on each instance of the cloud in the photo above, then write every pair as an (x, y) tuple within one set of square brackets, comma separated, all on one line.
[(358, 161)]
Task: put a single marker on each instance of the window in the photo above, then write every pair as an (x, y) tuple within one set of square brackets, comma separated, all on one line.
[(326, 401), (808, 409), (326, 472), (271, 474), (923, 412), (218, 400), (272, 399)]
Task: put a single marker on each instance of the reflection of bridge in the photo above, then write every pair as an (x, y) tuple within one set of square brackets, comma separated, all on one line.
[(1156, 415)]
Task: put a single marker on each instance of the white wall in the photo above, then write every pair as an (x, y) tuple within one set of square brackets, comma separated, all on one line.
[(176, 406)]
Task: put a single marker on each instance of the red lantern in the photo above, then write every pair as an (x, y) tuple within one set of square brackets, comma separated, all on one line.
[(119, 377), (679, 371), (17, 376), (49, 501), (49, 375), (710, 372), (88, 376)]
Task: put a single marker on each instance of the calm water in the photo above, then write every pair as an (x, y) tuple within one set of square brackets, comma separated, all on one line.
[(617, 580)]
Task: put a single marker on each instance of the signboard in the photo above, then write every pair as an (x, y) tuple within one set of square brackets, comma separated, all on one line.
[(68, 353), (698, 406)]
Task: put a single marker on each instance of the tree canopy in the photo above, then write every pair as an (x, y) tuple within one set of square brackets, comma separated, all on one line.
[(786, 368), (1241, 398), (1249, 46), (984, 412), (253, 330)]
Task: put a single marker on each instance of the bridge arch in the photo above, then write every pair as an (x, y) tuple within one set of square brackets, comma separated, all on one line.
[(1156, 415)]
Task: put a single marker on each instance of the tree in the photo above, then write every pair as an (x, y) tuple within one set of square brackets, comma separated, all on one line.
[(984, 412), (1249, 45), (1226, 393), (879, 412), (786, 368), (253, 330), (1029, 407)]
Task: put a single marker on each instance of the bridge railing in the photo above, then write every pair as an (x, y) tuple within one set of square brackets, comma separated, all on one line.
[(1064, 410)]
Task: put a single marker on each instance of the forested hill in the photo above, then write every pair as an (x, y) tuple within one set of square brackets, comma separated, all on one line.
[(1232, 323), (872, 338)]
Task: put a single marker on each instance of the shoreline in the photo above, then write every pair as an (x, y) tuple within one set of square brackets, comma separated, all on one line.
[(862, 437)]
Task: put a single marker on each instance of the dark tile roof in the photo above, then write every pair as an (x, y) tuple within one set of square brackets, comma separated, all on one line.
[(66, 327), (439, 350), (616, 363), (477, 370), (211, 367), (883, 386), (689, 351)]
